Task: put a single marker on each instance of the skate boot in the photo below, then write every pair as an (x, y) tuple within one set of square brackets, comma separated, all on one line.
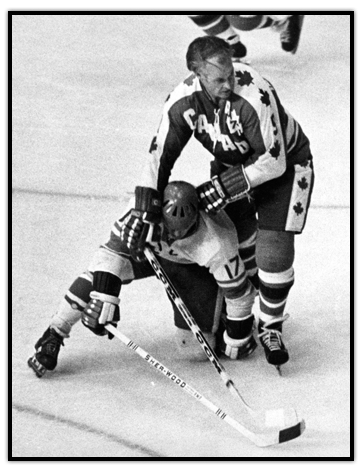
[(239, 51), (271, 340), (47, 350), (290, 34), (227, 342)]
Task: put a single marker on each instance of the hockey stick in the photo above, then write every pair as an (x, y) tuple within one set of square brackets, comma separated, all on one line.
[(273, 417), (270, 437)]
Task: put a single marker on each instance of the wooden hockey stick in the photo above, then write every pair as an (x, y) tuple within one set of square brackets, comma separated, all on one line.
[(265, 438), (282, 417)]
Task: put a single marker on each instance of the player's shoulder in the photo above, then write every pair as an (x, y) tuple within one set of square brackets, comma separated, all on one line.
[(247, 78), (183, 91), (220, 223)]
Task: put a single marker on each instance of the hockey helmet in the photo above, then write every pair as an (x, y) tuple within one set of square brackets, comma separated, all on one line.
[(180, 207)]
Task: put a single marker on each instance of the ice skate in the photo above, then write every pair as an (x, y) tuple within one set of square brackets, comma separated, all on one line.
[(46, 356), (290, 34), (271, 340), (239, 53)]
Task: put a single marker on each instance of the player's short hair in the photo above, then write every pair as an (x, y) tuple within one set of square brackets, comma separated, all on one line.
[(205, 47)]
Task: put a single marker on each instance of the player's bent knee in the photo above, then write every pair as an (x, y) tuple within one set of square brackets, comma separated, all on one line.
[(275, 250), (189, 348)]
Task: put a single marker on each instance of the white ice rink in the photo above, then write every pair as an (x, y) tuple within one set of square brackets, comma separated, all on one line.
[(87, 97)]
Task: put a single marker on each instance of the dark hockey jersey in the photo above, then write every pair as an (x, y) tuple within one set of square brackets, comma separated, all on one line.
[(250, 128)]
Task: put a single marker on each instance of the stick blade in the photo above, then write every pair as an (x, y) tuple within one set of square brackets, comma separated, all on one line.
[(275, 437), (292, 432), (283, 417)]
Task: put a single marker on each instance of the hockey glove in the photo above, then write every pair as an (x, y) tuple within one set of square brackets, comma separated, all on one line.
[(238, 338), (102, 309), (229, 186), (136, 225)]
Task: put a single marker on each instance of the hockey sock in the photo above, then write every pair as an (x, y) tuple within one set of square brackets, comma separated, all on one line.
[(64, 319), (247, 252), (241, 306), (70, 309), (274, 290)]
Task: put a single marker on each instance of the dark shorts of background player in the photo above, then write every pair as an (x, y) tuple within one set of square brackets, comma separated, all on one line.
[(281, 204)]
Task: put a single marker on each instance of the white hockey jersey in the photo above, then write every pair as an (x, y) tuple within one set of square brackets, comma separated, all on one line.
[(215, 246)]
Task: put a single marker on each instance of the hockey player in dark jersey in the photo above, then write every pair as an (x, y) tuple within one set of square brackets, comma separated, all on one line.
[(262, 161), (229, 27), (199, 252)]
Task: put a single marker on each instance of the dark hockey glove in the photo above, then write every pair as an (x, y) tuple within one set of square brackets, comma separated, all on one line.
[(102, 309), (137, 224), (229, 186)]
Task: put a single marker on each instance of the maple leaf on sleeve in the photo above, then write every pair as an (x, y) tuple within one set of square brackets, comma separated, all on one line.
[(299, 209), (265, 98), (303, 183), (244, 78), (275, 150)]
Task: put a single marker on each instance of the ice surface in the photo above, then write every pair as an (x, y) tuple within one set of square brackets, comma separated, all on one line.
[(87, 97)]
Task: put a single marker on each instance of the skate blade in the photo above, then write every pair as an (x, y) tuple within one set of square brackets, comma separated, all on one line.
[(278, 368), (38, 369)]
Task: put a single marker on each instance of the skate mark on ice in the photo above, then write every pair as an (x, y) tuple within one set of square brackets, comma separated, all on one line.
[(87, 428), (109, 198), (128, 194)]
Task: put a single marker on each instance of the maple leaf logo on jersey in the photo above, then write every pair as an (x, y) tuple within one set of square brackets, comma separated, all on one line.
[(299, 209), (265, 98), (189, 80), (303, 183), (244, 78), (275, 150), (153, 146)]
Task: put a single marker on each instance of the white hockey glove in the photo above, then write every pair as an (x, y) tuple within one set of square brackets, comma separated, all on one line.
[(229, 186), (238, 337), (102, 309), (136, 225)]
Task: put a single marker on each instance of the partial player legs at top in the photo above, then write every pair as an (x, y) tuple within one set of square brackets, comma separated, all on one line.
[(229, 28), (218, 25)]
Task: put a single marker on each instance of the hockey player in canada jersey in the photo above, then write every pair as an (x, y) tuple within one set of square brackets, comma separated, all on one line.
[(200, 254), (261, 163)]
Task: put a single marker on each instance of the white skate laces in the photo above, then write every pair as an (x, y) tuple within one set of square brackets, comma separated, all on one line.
[(271, 337)]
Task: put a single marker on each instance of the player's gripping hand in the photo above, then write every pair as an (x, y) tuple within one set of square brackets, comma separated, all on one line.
[(133, 234), (102, 309), (136, 225), (229, 186), (233, 348)]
